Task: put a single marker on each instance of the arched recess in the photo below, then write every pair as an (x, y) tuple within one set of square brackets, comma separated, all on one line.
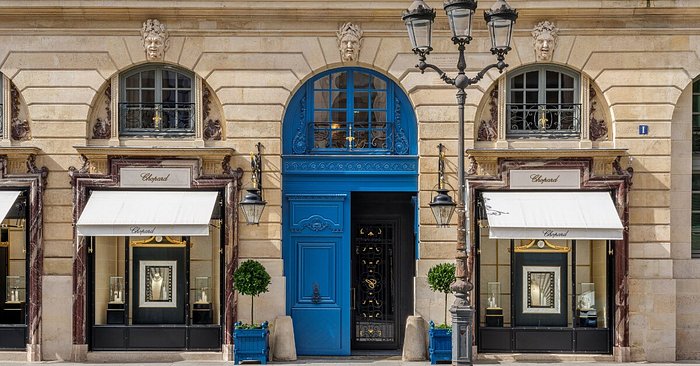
[(350, 169), (116, 101), (589, 106)]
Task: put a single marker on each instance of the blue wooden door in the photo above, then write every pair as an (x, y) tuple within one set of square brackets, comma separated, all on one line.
[(318, 292)]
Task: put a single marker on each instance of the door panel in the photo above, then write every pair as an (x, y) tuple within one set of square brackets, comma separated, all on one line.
[(540, 287), (318, 273)]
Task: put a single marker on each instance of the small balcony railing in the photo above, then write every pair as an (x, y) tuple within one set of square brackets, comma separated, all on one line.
[(156, 118), (543, 120), (380, 137)]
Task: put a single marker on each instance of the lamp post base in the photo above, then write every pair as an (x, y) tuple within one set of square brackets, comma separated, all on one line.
[(462, 336)]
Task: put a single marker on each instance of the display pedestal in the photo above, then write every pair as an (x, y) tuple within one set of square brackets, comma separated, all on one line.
[(14, 313), (587, 318), (494, 317), (201, 313), (115, 313)]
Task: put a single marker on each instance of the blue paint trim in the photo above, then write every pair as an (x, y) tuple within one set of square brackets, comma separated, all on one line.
[(338, 164), (416, 224)]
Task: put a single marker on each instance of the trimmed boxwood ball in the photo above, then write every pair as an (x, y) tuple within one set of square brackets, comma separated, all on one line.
[(440, 277), (251, 278)]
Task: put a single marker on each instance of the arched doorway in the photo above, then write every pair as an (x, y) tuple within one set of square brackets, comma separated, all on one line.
[(350, 182)]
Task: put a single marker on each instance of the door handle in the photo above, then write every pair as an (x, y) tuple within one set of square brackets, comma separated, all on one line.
[(352, 298)]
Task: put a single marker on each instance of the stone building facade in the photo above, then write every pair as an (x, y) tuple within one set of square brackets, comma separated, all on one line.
[(243, 69)]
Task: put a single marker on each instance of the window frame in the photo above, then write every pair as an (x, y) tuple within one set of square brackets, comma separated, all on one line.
[(158, 70), (542, 89), (390, 125)]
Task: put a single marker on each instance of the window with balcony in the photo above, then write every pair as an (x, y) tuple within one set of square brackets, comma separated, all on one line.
[(544, 102), (695, 204), (157, 101)]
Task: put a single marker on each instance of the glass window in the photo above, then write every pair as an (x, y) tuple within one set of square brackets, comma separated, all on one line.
[(157, 100), (543, 102), (351, 112), (14, 294)]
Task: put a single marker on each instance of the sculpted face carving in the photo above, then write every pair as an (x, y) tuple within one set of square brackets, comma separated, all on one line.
[(349, 42), (545, 40), (155, 39)]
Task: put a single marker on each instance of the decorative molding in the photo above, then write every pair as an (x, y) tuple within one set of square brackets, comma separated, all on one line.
[(472, 165), (488, 130), (33, 169), (316, 197), (215, 153), (84, 169), (351, 164), (349, 42), (155, 39), (226, 165), (401, 142), (102, 129), (212, 127), (299, 145), (598, 127), (19, 129), (316, 223), (545, 40), (627, 173)]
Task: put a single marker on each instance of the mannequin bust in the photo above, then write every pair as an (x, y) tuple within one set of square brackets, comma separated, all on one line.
[(156, 286)]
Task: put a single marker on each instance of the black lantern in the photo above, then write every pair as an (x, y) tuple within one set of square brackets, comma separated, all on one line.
[(459, 15), (500, 20), (419, 23), (253, 204), (443, 207)]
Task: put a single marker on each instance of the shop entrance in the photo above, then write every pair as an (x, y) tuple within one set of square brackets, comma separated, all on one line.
[(382, 252)]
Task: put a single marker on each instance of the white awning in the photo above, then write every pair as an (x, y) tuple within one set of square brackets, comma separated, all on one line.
[(138, 213), (552, 215), (7, 199)]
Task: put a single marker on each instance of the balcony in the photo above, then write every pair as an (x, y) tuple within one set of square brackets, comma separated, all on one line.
[(543, 120), (156, 119)]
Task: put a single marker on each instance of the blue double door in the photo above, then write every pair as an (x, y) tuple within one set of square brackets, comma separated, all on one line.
[(349, 263)]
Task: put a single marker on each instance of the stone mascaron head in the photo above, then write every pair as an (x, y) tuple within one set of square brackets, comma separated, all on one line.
[(545, 40), (349, 42), (155, 39)]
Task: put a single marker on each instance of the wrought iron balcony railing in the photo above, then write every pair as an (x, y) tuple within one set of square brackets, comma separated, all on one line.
[(543, 120), (156, 118), (379, 137)]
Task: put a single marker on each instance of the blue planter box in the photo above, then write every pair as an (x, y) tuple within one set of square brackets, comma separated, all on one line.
[(440, 344), (250, 344)]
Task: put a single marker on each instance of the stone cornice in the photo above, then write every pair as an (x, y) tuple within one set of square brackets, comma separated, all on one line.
[(546, 153), (152, 151)]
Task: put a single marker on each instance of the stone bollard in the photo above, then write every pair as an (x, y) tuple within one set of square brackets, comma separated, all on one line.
[(415, 339), (283, 340)]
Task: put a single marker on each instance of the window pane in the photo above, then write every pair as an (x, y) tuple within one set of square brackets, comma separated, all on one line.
[(322, 83), (378, 118), (361, 100), (339, 99), (567, 97), (339, 115), (567, 81), (553, 97), (321, 99), (147, 118), (148, 79), (183, 82), (361, 80), (184, 96), (552, 80), (321, 116), (696, 182), (518, 82), (132, 81), (132, 96), (168, 96), (169, 79), (696, 203), (378, 100), (339, 80), (133, 118), (361, 119), (532, 80), (169, 119), (184, 119), (696, 87), (696, 142), (378, 83), (531, 97), (148, 96), (517, 97), (696, 221)]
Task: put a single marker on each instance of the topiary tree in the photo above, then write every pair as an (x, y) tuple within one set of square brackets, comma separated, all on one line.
[(251, 278), (440, 277)]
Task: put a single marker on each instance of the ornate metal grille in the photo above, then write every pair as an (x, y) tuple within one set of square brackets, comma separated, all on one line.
[(140, 118), (374, 311), (561, 120)]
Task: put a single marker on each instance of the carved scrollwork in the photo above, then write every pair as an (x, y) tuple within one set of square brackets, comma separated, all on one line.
[(488, 130), (212, 127), (315, 223), (472, 165), (102, 129), (598, 128), (299, 142), (33, 169), (627, 173), (401, 142), (85, 168), (19, 129)]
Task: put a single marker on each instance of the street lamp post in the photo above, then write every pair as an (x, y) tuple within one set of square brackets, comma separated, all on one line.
[(500, 19)]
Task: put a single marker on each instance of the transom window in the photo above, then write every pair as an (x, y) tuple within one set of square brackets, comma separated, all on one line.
[(157, 100), (351, 111), (695, 205), (543, 102)]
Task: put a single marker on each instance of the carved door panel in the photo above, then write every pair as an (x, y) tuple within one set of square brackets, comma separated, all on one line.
[(382, 262)]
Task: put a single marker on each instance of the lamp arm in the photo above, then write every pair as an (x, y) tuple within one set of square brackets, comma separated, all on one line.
[(500, 65), (422, 65)]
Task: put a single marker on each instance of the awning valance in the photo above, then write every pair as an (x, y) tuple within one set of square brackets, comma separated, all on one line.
[(7, 199), (140, 213), (552, 215)]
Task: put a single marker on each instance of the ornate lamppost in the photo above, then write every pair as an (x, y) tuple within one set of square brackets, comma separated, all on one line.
[(500, 19)]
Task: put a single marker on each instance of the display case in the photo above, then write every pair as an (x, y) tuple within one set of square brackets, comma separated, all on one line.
[(16, 287), (586, 312), (115, 306), (494, 309), (202, 309)]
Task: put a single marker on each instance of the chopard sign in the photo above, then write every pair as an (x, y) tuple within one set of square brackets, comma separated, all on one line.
[(139, 230), (545, 179), (142, 177), (555, 233)]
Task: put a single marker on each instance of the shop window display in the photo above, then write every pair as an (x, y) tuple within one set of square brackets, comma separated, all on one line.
[(13, 266)]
